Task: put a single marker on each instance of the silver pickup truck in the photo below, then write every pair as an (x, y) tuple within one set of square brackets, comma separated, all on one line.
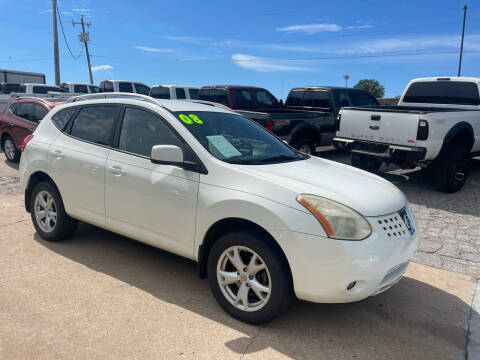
[(436, 125)]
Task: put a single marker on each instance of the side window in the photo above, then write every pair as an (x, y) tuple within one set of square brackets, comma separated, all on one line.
[(125, 87), (107, 86), (61, 118), (317, 99), (265, 99), (24, 110), (193, 93), (82, 89), (243, 98), (141, 130), (13, 107), (180, 93), (365, 100), (160, 92), (204, 94), (95, 124), (142, 89), (219, 96), (94, 89), (39, 112), (344, 98)]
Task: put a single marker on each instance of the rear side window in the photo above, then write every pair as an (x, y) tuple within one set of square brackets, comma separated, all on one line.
[(344, 98), (265, 99), (180, 93), (107, 86), (45, 89), (193, 93), (95, 124), (13, 107), (243, 98), (125, 87), (214, 95), (443, 92), (160, 92), (295, 98), (24, 110), (94, 89), (39, 112), (61, 118), (365, 100), (141, 130), (142, 89), (204, 94), (82, 89)]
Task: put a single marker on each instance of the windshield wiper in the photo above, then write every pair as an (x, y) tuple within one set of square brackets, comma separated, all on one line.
[(280, 158)]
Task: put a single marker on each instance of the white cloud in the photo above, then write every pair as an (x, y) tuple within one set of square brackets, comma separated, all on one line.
[(311, 28), (81, 10), (106, 68), (152, 49), (264, 65)]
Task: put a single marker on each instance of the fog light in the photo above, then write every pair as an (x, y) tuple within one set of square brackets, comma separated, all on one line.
[(351, 285)]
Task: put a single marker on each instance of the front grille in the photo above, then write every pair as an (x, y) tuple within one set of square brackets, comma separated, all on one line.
[(393, 225)]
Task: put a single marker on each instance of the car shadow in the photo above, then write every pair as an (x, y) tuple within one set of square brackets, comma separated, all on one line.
[(412, 320), (11, 165), (417, 185)]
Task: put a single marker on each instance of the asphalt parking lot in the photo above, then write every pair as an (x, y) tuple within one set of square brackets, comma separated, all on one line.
[(100, 295)]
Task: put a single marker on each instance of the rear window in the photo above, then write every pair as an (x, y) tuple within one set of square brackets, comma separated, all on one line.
[(193, 93), (160, 92), (214, 95), (365, 100), (311, 98), (142, 89), (82, 89), (180, 93), (125, 87), (95, 124), (107, 86), (443, 92)]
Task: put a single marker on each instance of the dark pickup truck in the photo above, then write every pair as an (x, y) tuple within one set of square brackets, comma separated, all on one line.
[(305, 121)]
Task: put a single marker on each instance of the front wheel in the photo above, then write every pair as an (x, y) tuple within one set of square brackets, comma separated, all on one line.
[(304, 145), (248, 278), (365, 163), (11, 152)]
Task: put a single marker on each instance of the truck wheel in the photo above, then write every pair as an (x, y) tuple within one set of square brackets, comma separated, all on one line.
[(451, 170), (304, 145), (365, 163), (248, 278), (11, 152)]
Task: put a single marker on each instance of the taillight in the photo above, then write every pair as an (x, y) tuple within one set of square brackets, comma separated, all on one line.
[(269, 125), (422, 132), (25, 141), (339, 117)]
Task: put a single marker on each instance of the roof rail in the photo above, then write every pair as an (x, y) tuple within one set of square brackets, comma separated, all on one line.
[(114, 95), (210, 103)]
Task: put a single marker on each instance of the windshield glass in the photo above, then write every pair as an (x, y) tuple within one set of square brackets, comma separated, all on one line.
[(236, 139)]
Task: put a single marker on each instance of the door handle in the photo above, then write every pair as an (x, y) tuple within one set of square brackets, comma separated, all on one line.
[(117, 170), (375, 117), (58, 154), (11, 124)]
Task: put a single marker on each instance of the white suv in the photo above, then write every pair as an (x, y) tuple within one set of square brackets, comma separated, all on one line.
[(264, 221)]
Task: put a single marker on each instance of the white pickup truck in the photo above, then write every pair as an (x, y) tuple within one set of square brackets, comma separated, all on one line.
[(436, 125)]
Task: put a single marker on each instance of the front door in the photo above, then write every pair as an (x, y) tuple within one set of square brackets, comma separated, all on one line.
[(152, 203)]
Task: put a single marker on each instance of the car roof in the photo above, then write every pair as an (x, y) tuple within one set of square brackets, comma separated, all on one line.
[(326, 88), (447, 78), (77, 83), (47, 101), (170, 85), (231, 87), (127, 81)]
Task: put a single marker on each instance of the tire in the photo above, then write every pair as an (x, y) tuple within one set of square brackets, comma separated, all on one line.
[(305, 145), (63, 227), (450, 172), (365, 163), (11, 152), (275, 277)]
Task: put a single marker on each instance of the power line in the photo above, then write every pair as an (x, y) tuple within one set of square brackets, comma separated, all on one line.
[(65, 38)]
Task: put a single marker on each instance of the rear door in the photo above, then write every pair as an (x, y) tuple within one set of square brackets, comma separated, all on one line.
[(22, 122), (379, 126)]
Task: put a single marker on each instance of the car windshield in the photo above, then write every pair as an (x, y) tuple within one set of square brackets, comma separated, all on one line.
[(235, 139)]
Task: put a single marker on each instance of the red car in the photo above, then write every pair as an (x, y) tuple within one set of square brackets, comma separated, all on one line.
[(19, 119)]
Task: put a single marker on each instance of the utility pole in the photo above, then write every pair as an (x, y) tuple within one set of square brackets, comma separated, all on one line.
[(85, 37), (55, 43), (464, 7)]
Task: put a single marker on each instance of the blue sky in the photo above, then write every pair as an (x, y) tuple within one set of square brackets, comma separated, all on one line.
[(274, 44)]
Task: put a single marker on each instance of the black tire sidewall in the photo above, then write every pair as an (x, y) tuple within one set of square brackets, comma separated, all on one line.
[(304, 141), (16, 157), (64, 225), (443, 169), (281, 291)]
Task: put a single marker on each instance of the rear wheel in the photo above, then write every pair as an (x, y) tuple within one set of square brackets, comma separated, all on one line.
[(305, 145), (11, 152), (248, 278), (450, 172), (365, 163), (48, 214)]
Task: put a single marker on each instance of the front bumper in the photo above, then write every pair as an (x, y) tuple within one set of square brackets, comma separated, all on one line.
[(323, 268), (380, 150)]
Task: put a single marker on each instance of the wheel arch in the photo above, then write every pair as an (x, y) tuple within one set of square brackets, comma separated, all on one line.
[(306, 130), (34, 179), (226, 225), (460, 134)]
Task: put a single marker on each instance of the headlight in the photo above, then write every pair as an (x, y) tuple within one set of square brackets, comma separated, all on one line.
[(339, 221)]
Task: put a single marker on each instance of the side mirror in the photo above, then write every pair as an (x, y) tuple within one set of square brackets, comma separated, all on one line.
[(167, 155), (281, 102)]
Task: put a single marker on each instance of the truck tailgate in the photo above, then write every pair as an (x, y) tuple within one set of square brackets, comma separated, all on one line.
[(389, 127)]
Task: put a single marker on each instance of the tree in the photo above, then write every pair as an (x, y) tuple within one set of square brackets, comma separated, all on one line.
[(372, 86)]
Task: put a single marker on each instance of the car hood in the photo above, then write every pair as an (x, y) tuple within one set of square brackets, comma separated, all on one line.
[(368, 194)]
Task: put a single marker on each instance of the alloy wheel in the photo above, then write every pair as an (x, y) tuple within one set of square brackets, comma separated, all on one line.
[(243, 278), (45, 211), (305, 149), (10, 149)]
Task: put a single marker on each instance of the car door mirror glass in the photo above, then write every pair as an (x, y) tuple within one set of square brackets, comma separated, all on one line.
[(167, 154)]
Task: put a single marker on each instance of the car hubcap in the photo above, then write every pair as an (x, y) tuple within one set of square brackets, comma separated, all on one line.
[(45, 211), (244, 278), (9, 149), (305, 149), (460, 171)]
